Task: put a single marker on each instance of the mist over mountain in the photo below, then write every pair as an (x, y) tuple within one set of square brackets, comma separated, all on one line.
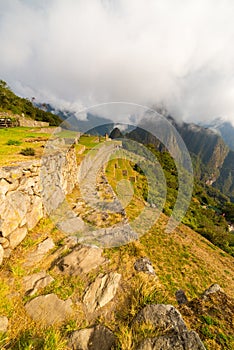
[(224, 129), (76, 54)]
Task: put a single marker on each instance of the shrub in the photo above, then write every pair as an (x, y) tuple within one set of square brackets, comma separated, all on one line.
[(27, 151), (13, 143)]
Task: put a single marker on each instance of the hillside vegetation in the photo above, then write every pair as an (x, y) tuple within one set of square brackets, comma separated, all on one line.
[(210, 212), (182, 260), (16, 105)]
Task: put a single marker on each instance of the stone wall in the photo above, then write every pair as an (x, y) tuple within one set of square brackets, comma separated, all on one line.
[(23, 121), (31, 123), (31, 190)]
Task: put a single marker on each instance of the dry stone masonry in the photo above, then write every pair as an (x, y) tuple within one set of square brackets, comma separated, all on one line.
[(30, 190)]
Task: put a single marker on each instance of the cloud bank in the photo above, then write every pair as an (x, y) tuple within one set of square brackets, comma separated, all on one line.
[(76, 53)]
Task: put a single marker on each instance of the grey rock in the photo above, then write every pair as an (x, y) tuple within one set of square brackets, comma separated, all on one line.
[(188, 340), (49, 309), (145, 265), (96, 338), (167, 320), (212, 289), (3, 324), (181, 297), (35, 282), (114, 236), (72, 226), (101, 291), (163, 317), (82, 259)]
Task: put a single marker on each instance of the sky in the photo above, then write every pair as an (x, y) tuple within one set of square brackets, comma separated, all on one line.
[(78, 53)]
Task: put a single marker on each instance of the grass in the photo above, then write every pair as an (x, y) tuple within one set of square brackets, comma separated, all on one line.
[(12, 140), (182, 260), (89, 141), (133, 204), (178, 259)]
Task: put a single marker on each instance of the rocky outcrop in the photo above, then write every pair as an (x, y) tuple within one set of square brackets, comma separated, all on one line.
[(185, 341), (168, 321)]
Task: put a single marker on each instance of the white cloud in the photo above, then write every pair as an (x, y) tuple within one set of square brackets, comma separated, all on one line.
[(79, 53)]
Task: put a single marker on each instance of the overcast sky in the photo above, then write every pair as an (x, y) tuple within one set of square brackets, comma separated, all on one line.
[(77, 53)]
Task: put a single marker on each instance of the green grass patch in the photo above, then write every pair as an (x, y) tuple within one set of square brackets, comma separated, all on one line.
[(13, 143), (12, 140)]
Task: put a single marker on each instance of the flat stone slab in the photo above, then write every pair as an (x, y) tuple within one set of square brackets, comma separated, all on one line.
[(114, 236), (42, 249), (95, 338), (82, 259), (71, 226), (49, 309), (3, 324), (35, 282), (101, 291)]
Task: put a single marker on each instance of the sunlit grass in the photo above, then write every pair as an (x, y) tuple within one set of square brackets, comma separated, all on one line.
[(13, 140)]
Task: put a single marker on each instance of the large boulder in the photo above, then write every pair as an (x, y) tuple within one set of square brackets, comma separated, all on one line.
[(185, 341), (169, 323), (161, 316), (95, 338)]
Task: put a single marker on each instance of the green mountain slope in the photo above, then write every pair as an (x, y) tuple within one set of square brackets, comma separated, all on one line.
[(16, 105)]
